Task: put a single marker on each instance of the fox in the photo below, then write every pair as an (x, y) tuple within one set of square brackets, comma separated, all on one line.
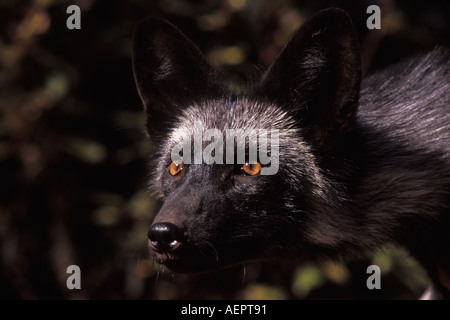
[(360, 163)]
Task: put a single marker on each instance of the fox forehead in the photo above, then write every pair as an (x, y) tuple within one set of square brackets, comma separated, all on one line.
[(241, 114)]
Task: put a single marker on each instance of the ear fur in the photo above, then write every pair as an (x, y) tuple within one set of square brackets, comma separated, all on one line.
[(170, 71), (317, 75)]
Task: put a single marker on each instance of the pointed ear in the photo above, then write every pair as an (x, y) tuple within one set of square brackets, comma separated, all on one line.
[(317, 75), (169, 70)]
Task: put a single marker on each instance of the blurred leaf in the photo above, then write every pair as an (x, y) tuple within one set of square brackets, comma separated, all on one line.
[(57, 85), (86, 150), (128, 119), (237, 4), (141, 204), (336, 272), (264, 292), (106, 216), (306, 279), (384, 259), (408, 271), (227, 55)]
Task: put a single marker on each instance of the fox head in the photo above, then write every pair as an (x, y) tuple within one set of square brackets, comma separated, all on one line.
[(219, 213)]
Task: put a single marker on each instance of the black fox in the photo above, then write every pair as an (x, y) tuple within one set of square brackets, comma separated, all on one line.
[(360, 163)]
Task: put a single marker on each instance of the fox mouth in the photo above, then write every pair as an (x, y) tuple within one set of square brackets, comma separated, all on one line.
[(170, 246), (184, 258)]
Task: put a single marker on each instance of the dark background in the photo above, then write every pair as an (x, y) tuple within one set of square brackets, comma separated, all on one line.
[(73, 151)]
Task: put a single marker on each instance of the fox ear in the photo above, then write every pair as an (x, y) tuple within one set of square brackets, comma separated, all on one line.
[(317, 74), (169, 70)]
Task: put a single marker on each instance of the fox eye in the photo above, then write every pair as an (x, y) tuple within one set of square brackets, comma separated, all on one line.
[(175, 167), (252, 169)]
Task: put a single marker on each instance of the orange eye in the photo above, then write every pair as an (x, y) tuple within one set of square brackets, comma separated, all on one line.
[(175, 167), (252, 169)]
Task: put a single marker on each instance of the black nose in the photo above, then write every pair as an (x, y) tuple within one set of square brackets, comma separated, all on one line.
[(165, 236)]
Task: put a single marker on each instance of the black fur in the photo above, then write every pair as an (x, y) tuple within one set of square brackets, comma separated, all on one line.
[(359, 167)]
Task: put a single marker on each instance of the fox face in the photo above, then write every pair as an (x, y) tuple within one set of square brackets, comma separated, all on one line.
[(208, 208), (223, 209)]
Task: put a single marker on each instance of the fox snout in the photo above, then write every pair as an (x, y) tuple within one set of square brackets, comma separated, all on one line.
[(179, 233), (172, 246), (165, 237), (168, 230), (168, 240)]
